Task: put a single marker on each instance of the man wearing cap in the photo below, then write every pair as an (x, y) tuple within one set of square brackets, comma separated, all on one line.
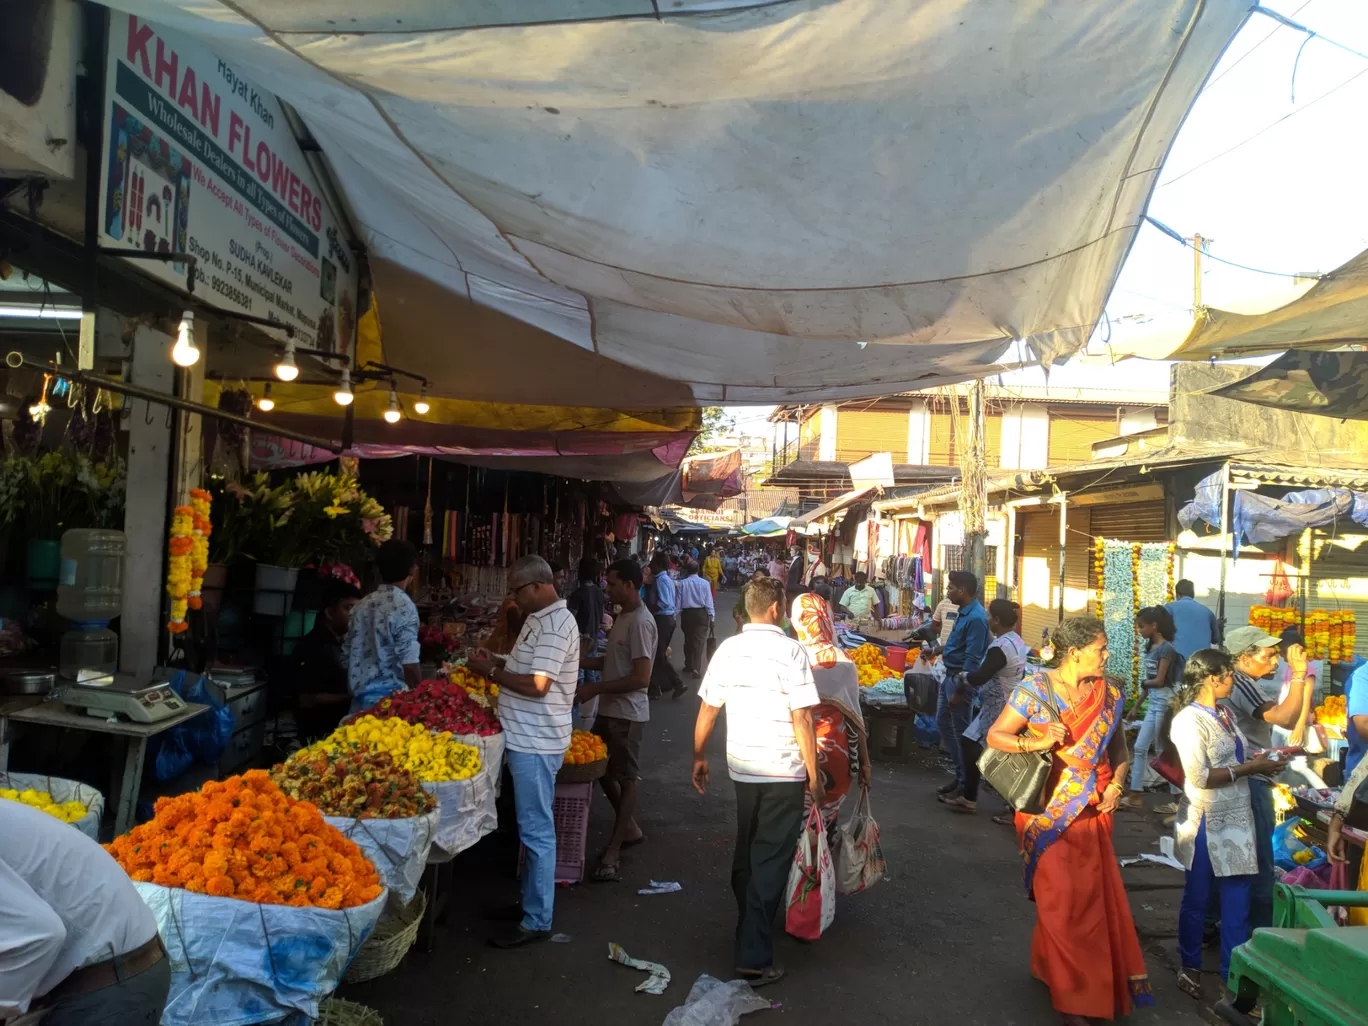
[(1255, 652)]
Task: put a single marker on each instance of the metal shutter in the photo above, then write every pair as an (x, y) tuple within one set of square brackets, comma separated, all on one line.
[(1038, 572), (1338, 578), (1077, 561)]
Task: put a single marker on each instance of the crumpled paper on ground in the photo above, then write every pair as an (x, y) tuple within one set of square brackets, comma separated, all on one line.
[(714, 1003), (661, 887), (653, 984)]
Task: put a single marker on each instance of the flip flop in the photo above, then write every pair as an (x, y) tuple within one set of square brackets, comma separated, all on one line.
[(1005, 819), (758, 978), (1189, 982), (607, 872)]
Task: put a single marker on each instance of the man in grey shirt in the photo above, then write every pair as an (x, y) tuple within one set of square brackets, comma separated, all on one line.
[(623, 708)]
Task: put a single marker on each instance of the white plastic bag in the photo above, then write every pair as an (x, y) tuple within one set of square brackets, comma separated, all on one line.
[(714, 1003), (398, 848), (859, 858), (236, 962), (465, 808), (811, 883), (63, 790)]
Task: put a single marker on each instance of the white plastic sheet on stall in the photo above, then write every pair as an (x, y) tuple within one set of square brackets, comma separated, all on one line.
[(63, 790), (465, 808), (234, 962), (398, 848)]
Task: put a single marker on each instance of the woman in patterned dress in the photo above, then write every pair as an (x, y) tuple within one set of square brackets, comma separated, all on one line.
[(1084, 947), (1214, 832)]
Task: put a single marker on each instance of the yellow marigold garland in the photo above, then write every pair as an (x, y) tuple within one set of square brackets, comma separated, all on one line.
[(178, 567), (200, 502)]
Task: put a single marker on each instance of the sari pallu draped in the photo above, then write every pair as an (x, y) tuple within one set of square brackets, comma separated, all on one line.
[(1084, 947)]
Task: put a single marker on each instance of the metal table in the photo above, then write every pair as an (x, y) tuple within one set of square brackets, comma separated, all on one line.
[(34, 710)]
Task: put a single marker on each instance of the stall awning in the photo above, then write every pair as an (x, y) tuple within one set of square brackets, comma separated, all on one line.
[(834, 506), (1331, 384), (719, 201)]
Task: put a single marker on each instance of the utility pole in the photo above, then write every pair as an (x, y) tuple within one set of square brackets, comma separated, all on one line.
[(974, 488), (1199, 246)]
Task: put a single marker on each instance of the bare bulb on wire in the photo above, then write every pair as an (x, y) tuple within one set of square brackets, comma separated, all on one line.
[(266, 404), (422, 406), (343, 396), (287, 369), (185, 353), (392, 412)]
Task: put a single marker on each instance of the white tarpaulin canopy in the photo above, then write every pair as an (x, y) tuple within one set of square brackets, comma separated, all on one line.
[(724, 199)]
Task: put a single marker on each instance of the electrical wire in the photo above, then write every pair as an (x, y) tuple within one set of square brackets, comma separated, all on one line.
[(1178, 238), (1258, 10)]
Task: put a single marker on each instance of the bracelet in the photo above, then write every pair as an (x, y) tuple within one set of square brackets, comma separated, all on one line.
[(1021, 742), (1119, 787), (1231, 771)]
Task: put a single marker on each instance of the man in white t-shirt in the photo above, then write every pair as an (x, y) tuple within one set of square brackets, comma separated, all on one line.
[(536, 702), (765, 680)]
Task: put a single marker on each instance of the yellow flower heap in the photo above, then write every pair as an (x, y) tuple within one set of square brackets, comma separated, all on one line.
[(178, 566), (67, 812), (430, 757), (869, 660)]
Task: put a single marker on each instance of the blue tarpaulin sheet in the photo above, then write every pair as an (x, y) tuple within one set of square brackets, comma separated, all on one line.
[(1260, 518)]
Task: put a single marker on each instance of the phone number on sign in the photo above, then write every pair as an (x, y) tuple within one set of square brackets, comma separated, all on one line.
[(234, 293)]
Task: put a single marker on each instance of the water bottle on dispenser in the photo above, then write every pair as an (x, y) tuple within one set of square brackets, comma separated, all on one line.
[(90, 594)]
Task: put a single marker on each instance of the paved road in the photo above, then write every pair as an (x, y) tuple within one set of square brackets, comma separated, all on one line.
[(946, 940)]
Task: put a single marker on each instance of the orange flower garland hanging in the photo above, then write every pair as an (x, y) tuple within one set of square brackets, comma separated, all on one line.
[(178, 566), (200, 502), (243, 838)]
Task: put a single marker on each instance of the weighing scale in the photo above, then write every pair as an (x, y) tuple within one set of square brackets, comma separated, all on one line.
[(125, 697)]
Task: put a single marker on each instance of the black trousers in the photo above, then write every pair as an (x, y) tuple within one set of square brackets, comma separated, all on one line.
[(971, 750), (664, 677), (695, 624), (769, 818)]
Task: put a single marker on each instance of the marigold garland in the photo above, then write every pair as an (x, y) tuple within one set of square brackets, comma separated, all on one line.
[(178, 566), (200, 503), (243, 838)]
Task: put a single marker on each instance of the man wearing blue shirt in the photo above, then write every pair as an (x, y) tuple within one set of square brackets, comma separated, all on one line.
[(664, 606), (1356, 706), (963, 650), (1195, 626)]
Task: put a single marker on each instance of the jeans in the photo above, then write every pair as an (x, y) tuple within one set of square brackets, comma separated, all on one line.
[(534, 789), (1200, 884), (1149, 738), (1261, 901), (951, 721), (769, 818)]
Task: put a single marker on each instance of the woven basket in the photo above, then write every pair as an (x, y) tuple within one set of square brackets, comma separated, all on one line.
[(387, 946), (340, 1012), (583, 773)]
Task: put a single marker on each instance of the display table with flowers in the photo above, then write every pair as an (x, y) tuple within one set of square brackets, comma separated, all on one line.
[(260, 903)]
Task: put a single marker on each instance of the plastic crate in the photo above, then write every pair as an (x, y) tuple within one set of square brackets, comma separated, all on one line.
[(570, 810)]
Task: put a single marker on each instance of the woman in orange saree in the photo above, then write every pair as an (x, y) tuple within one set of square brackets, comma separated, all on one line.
[(1084, 947)]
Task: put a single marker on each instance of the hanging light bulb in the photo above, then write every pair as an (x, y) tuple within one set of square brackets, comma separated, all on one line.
[(421, 407), (185, 353), (392, 412), (287, 369), (343, 396), (266, 404)]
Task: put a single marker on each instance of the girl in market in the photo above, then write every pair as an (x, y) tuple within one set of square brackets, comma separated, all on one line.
[(1163, 670), (1215, 828), (842, 744), (1084, 947)]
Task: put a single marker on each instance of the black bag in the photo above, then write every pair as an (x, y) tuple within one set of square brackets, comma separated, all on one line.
[(1021, 777), (922, 691), (712, 641)]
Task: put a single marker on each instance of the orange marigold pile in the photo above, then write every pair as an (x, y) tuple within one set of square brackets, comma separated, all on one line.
[(243, 838)]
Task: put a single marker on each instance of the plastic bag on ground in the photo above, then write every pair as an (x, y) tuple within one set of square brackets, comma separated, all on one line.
[(811, 883), (714, 1003), (205, 737), (63, 790), (235, 963), (398, 848), (859, 858)]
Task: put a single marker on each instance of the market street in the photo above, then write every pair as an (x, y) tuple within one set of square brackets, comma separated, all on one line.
[(945, 940)]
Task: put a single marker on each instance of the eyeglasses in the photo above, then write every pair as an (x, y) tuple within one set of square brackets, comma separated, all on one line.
[(529, 584)]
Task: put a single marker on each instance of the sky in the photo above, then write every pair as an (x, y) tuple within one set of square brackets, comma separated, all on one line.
[(1270, 169)]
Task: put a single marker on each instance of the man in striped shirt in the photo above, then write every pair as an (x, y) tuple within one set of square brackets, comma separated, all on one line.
[(765, 680), (536, 701)]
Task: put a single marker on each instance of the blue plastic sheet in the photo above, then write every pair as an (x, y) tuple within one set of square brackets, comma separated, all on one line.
[(1259, 518), (205, 737)]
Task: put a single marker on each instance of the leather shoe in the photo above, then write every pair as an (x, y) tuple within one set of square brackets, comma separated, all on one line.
[(520, 937)]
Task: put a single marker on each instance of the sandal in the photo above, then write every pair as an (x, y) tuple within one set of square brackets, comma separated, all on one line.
[(961, 804), (607, 872), (758, 978), (1131, 801), (1190, 983), (1005, 819)]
